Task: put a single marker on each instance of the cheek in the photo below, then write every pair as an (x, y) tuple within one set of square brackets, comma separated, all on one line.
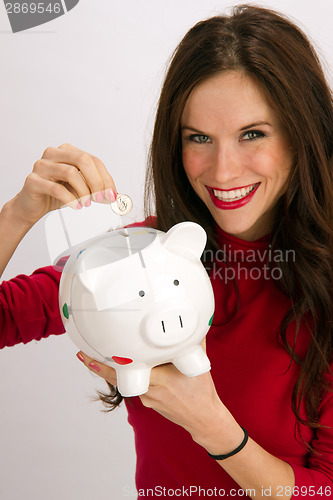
[(193, 164), (275, 165), (283, 170)]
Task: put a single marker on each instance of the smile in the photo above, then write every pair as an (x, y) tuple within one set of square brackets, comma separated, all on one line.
[(232, 198), (233, 194)]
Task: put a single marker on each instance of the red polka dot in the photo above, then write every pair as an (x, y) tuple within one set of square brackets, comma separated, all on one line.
[(122, 361)]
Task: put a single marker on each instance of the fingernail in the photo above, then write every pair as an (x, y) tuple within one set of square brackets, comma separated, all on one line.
[(87, 203), (80, 357), (79, 206), (111, 195), (99, 196), (94, 367)]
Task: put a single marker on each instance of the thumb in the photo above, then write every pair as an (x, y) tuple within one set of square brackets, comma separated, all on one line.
[(203, 345)]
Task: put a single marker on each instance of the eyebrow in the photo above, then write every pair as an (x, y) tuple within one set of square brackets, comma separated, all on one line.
[(193, 130), (255, 124), (251, 125)]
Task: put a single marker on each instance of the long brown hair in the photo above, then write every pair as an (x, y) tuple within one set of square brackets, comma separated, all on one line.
[(274, 52)]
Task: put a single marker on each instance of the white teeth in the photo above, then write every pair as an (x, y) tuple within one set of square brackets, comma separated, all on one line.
[(233, 195)]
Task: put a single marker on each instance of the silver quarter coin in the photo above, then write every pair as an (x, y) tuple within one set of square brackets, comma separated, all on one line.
[(122, 205)]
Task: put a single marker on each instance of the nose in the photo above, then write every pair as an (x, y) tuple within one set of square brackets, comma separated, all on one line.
[(169, 325), (227, 164)]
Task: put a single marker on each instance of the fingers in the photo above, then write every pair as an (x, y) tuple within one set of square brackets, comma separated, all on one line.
[(162, 375), (106, 372), (73, 167), (107, 179), (91, 168), (38, 185), (68, 184), (72, 176)]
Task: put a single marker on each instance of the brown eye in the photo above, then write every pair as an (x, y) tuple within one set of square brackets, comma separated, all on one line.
[(252, 135), (176, 282), (200, 138)]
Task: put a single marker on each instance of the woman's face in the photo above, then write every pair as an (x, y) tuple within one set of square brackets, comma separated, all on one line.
[(235, 153)]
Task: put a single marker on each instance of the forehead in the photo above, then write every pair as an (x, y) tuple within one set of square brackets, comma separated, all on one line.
[(232, 95)]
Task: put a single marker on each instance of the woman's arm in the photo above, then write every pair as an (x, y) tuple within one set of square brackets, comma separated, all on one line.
[(29, 307), (12, 230), (63, 176), (256, 471)]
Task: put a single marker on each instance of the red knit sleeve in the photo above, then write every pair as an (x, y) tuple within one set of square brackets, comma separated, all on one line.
[(316, 480), (29, 307)]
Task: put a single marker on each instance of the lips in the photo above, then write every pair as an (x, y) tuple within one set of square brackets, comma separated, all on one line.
[(232, 198)]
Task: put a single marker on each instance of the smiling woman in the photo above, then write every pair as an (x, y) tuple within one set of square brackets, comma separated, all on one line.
[(240, 162), (242, 145)]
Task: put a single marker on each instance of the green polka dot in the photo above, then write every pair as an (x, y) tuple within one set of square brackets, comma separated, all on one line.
[(65, 310), (211, 320)]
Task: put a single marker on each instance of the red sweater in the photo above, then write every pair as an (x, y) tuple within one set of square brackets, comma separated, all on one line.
[(250, 367)]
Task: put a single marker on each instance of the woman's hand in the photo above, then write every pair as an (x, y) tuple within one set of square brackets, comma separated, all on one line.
[(63, 176), (191, 402)]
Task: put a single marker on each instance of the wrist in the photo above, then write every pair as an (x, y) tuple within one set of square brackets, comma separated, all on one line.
[(12, 229), (221, 434), (236, 450), (13, 218)]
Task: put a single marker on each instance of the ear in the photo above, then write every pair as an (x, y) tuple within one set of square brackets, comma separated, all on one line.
[(92, 266), (187, 239)]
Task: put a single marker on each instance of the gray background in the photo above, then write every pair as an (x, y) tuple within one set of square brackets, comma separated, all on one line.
[(91, 78)]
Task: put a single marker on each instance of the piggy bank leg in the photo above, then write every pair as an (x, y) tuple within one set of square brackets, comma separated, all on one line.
[(133, 381), (193, 363)]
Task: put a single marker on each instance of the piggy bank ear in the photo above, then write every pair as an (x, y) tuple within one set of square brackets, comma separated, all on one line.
[(187, 239)]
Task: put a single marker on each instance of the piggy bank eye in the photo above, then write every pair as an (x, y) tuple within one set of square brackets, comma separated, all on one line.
[(176, 282), (142, 293)]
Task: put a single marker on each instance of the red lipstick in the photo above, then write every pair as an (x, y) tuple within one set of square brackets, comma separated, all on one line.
[(231, 205)]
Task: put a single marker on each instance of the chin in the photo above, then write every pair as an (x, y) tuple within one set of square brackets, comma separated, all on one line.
[(245, 232), (232, 228)]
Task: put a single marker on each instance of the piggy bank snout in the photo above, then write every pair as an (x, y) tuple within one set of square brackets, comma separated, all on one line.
[(169, 325)]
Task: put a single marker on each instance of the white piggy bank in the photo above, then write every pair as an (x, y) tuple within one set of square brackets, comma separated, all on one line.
[(135, 298)]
